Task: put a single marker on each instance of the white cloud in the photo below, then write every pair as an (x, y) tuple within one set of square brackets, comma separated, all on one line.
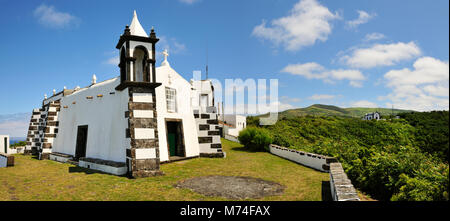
[(189, 2), (50, 17), (287, 99), (307, 22), (313, 70), (113, 61), (424, 88), (364, 103), (381, 55), (374, 36), (171, 44), (436, 90), (15, 125), (363, 18), (321, 97)]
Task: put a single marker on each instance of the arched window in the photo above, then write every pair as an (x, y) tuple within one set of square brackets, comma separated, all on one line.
[(140, 64), (123, 66)]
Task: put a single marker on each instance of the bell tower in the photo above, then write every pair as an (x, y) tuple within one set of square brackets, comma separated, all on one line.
[(138, 79), (137, 55)]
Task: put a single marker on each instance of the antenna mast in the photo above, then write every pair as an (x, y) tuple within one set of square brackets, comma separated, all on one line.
[(206, 59)]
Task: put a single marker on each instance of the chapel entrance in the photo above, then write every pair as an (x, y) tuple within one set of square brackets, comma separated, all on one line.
[(175, 141), (80, 150)]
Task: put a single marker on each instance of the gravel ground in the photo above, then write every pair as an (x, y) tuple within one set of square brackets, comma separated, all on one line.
[(232, 187)]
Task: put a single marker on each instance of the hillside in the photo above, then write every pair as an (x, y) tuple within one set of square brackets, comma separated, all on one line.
[(330, 110), (394, 159)]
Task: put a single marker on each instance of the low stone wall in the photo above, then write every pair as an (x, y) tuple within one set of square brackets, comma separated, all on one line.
[(341, 187), (60, 157), (6, 160), (315, 161), (111, 167), (231, 138)]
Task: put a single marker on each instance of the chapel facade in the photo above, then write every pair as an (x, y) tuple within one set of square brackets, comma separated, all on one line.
[(130, 124)]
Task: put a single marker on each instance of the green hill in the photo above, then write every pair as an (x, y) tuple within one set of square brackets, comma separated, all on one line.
[(330, 110)]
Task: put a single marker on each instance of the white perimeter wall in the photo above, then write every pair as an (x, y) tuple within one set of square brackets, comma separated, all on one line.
[(105, 117), (314, 162), (184, 111)]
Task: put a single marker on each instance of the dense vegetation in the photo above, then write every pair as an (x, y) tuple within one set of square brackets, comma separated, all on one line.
[(404, 159), (431, 133), (18, 144), (255, 139)]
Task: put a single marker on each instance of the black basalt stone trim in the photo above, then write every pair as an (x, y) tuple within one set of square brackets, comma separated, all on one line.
[(141, 106), (126, 84), (143, 123), (214, 132), (145, 143), (216, 145), (53, 123), (212, 121), (205, 139), (203, 126), (124, 38), (212, 155)]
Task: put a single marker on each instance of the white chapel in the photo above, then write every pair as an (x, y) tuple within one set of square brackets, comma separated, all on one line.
[(130, 124)]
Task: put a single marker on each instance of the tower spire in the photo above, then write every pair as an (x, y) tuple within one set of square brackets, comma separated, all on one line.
[(136, 27)]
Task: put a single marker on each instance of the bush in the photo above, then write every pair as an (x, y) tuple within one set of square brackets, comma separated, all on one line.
[(256, 139), (18, 144)]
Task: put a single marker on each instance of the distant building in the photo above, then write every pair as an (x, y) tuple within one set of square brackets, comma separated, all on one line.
[(233, 124), (372, 116), (4, 144)]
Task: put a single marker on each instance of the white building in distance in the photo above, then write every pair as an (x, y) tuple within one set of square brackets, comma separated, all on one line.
[(131, 123), (233, 124), (372, 116)]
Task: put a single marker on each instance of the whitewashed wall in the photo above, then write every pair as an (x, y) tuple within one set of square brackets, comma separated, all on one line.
[(314, 161), (201, 87), (184, 111), (2, 144), (105, 117)]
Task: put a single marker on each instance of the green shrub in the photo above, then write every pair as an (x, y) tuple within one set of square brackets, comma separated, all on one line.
[(18, 144), (256, 139)]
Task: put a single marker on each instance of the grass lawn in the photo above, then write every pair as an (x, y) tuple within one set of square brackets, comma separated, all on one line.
[(31, 179)]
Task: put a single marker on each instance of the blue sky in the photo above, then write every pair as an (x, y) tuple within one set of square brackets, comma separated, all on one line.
[(345, 53)]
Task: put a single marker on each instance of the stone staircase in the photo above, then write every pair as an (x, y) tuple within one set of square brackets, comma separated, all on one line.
[(208, 133)]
